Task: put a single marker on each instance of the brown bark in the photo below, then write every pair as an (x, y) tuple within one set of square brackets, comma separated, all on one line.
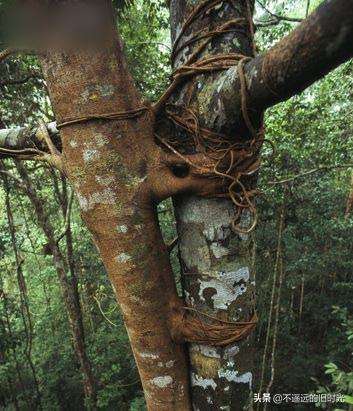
[(315, 47), (69, 295), (107, 164), (319, 44), (119, 175)]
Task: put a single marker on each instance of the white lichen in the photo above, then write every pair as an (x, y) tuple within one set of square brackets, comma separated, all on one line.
[(225, 291), (100, 140), (162, 381), (233, 277), (206, 350), (105, 180), (168, 364), (197, 380), (230, 352), (106, 197), (123, 258), (90, 155), (122, 229), (82, 200), (149, 355), (232, 375), (219, 251)]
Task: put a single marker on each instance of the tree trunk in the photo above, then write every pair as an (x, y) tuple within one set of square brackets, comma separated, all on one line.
[(216, 262), (22, 288), (70, 296), (107, 162), (26, 397)]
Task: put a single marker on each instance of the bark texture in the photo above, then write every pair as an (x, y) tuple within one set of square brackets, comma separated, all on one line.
[(216, 262), (21, 138), (319, 44), (112, 165)]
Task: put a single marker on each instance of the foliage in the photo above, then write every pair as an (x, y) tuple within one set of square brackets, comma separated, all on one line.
[(340, 377)]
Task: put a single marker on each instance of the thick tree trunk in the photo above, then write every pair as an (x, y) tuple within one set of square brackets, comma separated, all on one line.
[(107, 162), (217, 277)]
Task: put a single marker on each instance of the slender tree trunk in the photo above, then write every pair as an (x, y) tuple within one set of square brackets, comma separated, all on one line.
[(70, 297), (349, 205), (21, 383), (39, 265), (22, 287), (12, 383)]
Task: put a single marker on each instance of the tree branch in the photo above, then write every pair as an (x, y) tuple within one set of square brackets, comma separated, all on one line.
[(309, 172), (319, 44), (40, 144), (19, 81), (23, 138), (276, 18)]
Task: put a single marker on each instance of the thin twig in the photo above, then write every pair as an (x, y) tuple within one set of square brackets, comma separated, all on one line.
[(277, 17), (102, 312), (306, 173), (67, 218)]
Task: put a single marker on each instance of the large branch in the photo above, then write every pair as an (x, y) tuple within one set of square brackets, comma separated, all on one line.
[(319, 44), (41, 144), (22, 138)]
